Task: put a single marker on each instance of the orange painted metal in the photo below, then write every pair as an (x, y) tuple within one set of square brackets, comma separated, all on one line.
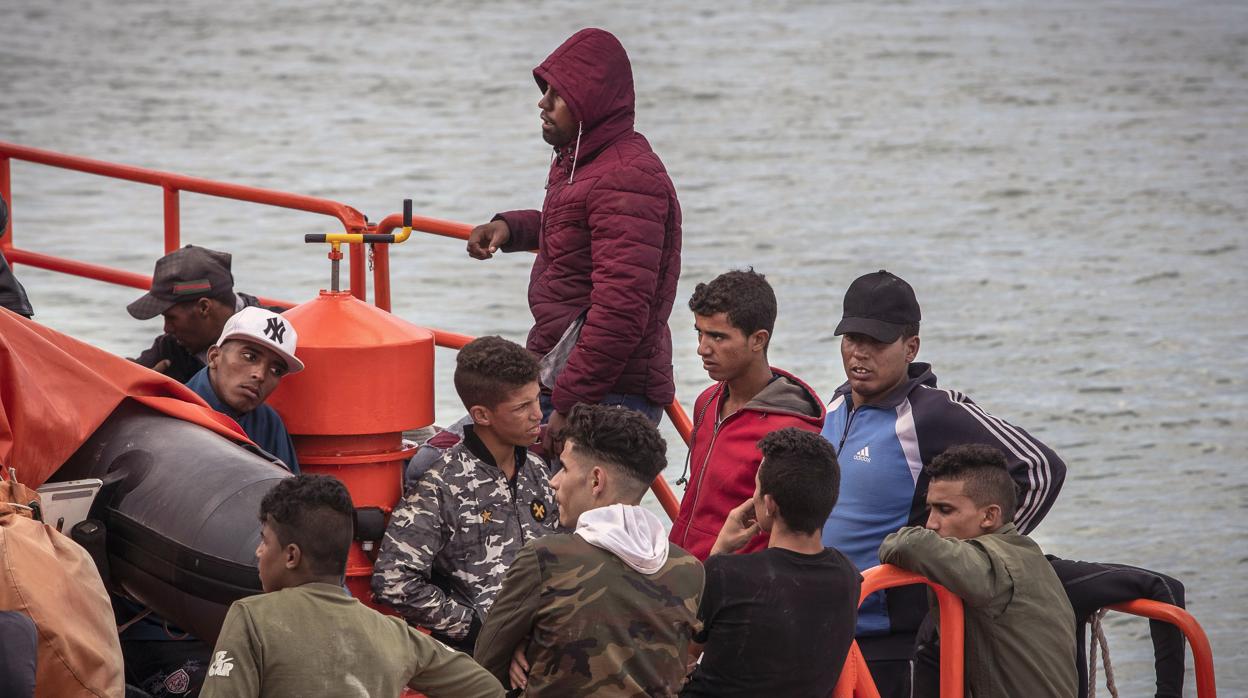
[(1202, 653), (952, 628), (369, 378), (851, 683)]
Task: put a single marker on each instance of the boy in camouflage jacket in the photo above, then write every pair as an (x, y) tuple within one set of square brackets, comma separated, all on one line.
[(460, 526)]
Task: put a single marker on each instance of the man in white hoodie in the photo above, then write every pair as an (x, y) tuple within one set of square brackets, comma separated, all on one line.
[(611, 607)]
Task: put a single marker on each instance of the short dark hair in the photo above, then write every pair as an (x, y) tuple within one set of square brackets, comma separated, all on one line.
[(315, 513), (744, 296), (985, 472), (488, 368), (619, 437), (800, 471), (910, 330)]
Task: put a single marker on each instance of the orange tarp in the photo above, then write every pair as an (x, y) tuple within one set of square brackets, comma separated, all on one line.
[(55, 391)]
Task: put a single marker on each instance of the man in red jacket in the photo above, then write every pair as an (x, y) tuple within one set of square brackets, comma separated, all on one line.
[(734, 315), (607, 240)]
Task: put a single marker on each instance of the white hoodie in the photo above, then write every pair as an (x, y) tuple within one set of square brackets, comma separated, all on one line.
[(631, 533)]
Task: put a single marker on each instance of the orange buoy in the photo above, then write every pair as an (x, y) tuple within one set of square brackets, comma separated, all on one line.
[(369, 377)]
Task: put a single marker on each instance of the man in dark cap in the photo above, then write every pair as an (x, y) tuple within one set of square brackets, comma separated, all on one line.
[(193, 289), (12, 295), (887, 422)]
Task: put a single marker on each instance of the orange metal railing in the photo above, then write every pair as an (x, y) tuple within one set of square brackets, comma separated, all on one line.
[(856, 681), (1202, 653), (173, 184)]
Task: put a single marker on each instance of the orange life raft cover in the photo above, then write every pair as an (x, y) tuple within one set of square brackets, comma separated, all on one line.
[(55, 391)]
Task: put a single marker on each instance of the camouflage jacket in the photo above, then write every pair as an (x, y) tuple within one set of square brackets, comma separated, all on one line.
[(595, 626), (454, 534)]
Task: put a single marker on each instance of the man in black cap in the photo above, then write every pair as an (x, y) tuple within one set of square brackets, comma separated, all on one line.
[(887, 422), (194, 290), (12, 295)]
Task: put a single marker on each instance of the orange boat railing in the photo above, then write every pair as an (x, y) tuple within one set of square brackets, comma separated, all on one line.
[(173, 184), (856, 681)]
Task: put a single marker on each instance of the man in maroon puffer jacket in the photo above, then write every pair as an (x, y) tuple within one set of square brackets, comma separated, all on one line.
[(607, 237)]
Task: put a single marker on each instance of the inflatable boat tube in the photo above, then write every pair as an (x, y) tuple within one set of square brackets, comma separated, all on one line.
[(180, 508)]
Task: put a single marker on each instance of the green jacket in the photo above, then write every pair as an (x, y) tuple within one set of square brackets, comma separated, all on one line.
[(1020, 628), (315, 640), (595, 626)]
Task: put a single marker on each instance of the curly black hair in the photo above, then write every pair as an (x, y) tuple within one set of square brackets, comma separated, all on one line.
[(488, 368), (619, 437), (800, 471), (314, 512), (984, 470), (745, 296)]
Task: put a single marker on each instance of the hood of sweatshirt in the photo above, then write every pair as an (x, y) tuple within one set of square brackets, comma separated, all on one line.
[(629, 532), (592, 73)]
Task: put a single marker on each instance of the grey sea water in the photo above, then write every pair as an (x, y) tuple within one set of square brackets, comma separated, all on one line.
[(1065, 184)]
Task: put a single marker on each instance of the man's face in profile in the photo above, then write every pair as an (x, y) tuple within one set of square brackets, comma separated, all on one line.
[(558, 124)]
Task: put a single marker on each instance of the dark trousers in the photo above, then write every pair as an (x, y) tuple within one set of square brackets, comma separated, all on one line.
[(891, 661)]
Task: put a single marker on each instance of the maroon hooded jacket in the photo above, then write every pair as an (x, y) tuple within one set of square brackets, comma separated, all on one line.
[(724, 455), (608, 235)]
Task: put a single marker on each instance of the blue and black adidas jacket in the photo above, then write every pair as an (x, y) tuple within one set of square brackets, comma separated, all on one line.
[(882, 448)]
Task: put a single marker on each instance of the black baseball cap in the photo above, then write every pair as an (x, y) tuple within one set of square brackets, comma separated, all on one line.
[(879, 305), (185, 275)]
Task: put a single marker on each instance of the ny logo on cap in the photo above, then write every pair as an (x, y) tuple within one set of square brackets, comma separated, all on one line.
[(275, 330)]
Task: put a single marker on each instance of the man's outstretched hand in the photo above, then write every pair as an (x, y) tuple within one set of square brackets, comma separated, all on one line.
[(484, 240)]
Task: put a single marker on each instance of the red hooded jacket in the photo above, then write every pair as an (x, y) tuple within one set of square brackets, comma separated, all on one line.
[(724, 455), (608, 235)]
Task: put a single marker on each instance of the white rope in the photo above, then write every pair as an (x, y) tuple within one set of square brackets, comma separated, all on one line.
[(1098, 638)]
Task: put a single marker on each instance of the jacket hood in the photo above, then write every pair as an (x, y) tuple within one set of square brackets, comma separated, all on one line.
[(592, 73), (629, 532), (919, 373), (788, 394)]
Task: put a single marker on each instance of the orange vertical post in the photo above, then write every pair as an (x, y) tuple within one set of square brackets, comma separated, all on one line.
[(173, 220), (6, 235)]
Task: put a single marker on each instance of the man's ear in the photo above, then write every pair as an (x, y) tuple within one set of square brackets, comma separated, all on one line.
[(293, 556), (480, 415), (214, 355), (597, 480), (758, 340), (991, 518), (203, 306), (769, 506), (912, 348)]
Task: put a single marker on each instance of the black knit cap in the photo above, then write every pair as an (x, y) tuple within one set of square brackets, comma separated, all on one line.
[(879, 305), (184, 275)]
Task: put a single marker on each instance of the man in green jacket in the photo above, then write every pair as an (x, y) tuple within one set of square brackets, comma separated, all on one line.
[(305, 636), (1020, 632)]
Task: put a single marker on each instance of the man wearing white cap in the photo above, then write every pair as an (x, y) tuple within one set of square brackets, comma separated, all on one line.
[(256, 348)]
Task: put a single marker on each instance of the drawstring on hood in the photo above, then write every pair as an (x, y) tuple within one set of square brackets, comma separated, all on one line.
[(629, 532), (580, 127)]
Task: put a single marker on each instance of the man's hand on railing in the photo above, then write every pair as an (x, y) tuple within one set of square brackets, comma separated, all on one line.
[(484, 240)]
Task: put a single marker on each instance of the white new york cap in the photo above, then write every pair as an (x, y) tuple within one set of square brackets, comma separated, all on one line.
[(266, 328)]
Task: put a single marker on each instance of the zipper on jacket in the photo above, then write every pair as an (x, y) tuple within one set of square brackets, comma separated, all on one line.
[(697, 491), (849, 419), (693, 437)]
